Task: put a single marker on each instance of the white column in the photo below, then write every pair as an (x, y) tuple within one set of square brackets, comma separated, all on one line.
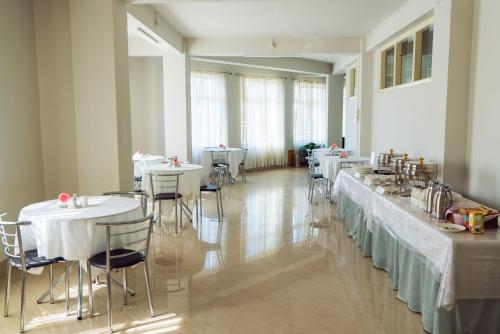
[(101, 95), (175, 78)]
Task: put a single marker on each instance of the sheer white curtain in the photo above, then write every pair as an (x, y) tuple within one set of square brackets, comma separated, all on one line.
[(208, 111), (262, 120), (310, 114)]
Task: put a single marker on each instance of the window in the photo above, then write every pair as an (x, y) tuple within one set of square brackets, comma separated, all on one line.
[(309, 113), (406, 48), (407, 59), (208, 111), (425, 37), (262, 120), (352, 82), (388, 68)]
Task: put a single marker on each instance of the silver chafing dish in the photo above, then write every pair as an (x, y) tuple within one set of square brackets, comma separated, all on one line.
[(418, 173), (397, 167), (385, 159)]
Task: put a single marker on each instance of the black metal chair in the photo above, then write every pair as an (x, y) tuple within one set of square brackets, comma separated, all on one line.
[(242, 167), (315, 175), (23, 260), (140, 195), (216, 188), (218, 158), (125, 248), (165, 187)]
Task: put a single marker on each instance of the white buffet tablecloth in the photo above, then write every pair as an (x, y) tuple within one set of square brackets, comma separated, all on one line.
[(235, 158), (189, 181), (71, 233), (331, 165), (469, 264), (142, 161)]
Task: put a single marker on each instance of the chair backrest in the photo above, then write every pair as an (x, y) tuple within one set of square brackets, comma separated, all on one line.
[(221, 157), (132, 235), (164, 182), (221, 171), (140, 195), (245, 151), (12, 240)]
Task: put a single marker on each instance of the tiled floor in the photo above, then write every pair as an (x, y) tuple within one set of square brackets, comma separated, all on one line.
[(268, 274)]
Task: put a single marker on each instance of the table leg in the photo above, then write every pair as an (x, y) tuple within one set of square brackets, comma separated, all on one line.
[(58, 282), (117, 282), (80, 293)]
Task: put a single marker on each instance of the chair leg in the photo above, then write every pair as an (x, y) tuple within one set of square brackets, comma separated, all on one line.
[(217, 201), (51, 282), (312, 191), (148, 288), (108, 283), (125, 302), (201, 205), (23, 301), (159, 213), (66, 283), (91, 294), (176, 216), (181, 211), (221, 208), (7, 290)]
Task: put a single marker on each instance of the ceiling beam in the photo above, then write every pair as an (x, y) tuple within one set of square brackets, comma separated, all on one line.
[(148, 16), (262, 46), (295, 65)]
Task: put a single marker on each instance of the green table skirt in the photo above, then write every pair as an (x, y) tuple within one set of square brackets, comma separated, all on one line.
[(415, 278)]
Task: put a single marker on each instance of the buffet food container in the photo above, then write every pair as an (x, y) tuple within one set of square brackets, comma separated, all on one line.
[(385, 159), (419, 173), (397, 167)]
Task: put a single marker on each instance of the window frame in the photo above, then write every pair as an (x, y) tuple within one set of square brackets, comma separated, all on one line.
[(396, 43), (352, 79)]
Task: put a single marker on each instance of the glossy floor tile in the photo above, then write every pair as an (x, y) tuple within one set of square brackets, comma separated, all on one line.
[(261, 270)]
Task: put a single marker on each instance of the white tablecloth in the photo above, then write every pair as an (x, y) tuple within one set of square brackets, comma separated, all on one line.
[(71, 233), (469, 264), (189, 181), (140, 162), (331, 165), (235, 157)]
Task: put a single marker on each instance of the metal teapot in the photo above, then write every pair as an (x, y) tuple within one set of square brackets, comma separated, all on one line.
[(442, 201), (432, 187)]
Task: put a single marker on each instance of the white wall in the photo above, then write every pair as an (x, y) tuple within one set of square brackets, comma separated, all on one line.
[(146, 104), (484, 117), (428, 118), (21, 165)]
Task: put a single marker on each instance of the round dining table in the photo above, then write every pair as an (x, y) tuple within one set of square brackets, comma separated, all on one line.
[(235, 157), (141, 161), (71, 232), (189, 180)]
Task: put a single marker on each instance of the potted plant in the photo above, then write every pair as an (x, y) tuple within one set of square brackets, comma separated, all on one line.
[(303, 150)]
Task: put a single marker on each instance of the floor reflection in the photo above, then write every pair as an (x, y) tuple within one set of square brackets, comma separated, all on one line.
[(263, 269)]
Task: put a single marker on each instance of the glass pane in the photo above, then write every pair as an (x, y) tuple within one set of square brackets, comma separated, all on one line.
[(389, 68), (427, 36), (407, 61)]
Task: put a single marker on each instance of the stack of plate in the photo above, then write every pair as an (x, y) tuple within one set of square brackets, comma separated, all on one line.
[(363, 169)]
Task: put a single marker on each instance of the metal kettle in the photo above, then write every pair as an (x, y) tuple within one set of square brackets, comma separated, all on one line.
[(432, 187), (442, 201)]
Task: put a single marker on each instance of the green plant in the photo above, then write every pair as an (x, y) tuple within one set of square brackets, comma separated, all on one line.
[(310, 146)]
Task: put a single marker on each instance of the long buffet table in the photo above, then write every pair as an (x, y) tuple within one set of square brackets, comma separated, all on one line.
[(452, 279)]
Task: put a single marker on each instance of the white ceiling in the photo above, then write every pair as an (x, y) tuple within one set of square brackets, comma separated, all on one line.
[(305, 18)]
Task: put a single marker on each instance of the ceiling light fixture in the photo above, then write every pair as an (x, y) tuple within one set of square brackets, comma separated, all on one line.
[(273, 44), (155, 19)]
